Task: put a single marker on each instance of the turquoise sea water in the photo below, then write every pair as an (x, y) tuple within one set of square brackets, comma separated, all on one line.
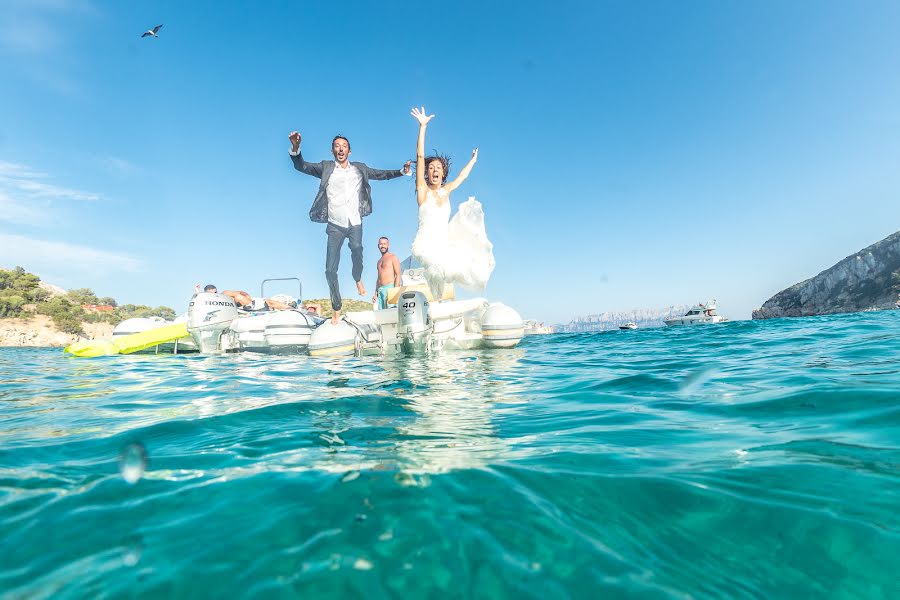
[(746, 460)]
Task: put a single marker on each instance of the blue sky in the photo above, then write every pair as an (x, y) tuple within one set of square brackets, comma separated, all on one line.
[(632, 154)]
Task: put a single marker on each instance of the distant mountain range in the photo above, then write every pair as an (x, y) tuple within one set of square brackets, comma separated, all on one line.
[(642, 317)]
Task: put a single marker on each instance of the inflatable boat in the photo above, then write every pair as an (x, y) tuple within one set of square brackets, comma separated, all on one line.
[(414, 326), (417, 326), (215, 324)]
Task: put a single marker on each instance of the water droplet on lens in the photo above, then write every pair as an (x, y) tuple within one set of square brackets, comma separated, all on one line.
[(410, 480), (335, 562), (350, 476), (133, 462), (132, 550), (693, 382)]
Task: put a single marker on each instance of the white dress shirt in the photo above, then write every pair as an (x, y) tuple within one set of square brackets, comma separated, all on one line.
[(343, 196)]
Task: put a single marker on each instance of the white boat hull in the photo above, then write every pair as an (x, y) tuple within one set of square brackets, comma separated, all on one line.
[(278, 332), (456, 325), (679, 321), (414, 327)]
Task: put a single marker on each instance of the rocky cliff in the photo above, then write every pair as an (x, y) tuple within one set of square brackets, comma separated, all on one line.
[(867, 280), (40, 331)]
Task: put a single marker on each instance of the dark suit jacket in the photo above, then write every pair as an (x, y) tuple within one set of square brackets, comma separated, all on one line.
[(323, 170)]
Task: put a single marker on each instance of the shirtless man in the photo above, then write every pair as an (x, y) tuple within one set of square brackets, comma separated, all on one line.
[(388, 273)]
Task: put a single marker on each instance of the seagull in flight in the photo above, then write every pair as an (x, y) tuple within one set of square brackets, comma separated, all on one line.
[(151, 32)]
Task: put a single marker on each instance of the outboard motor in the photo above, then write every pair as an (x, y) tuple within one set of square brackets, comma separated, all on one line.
[(413, 324), (208, 316)]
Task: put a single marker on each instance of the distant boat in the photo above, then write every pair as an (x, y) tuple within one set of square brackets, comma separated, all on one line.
[(701, 314), (628, 325), (532, 327)]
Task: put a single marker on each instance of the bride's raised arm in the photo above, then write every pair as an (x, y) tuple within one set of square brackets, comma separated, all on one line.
[(464, 173), (419, 115)]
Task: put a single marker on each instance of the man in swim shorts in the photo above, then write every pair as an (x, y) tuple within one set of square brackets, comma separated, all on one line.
[(388, 273)]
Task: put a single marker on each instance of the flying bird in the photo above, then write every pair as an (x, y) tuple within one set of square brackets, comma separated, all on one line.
[(151, 32)]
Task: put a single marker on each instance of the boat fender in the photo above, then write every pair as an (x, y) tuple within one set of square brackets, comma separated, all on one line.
[(501, 326), (329, 339), (289, 330)]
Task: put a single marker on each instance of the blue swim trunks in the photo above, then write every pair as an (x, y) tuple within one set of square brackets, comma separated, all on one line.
[(383, 294)]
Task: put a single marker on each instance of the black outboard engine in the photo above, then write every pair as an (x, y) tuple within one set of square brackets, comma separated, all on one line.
[(208, 316), (413, 325)]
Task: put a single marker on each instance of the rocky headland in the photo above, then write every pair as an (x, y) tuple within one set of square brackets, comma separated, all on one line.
[(866, 280)]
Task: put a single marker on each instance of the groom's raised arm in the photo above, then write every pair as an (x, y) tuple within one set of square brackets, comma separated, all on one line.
[(314, 169), (387, 174)]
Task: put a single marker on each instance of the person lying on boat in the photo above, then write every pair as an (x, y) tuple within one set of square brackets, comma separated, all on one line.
[(280, 302), (245, 302), (240, 297), (313, 308)]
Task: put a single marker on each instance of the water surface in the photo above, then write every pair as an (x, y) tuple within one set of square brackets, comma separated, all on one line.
[(744, 460)]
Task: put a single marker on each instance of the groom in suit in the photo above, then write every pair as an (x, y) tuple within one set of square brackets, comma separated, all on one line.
[(344, 198)]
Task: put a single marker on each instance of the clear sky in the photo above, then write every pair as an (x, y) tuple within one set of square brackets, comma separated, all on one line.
[(632, 154)]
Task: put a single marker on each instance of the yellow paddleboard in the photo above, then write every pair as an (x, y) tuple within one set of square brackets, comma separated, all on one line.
[(129, 343)]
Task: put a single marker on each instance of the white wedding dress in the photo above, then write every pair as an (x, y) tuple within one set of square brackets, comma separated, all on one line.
[(456, 250)]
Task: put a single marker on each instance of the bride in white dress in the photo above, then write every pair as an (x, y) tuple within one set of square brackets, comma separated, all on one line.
[(450, 250)]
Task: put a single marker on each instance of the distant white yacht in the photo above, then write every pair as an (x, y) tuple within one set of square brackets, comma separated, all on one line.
[(532, 327), (701, 314), (628, 325)]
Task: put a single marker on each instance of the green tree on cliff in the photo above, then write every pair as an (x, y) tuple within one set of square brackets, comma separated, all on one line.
[(18, 288), (20, 293), (82, 296), (67, 317)]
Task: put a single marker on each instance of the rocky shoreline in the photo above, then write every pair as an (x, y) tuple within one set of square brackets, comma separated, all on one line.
[(38, 331)]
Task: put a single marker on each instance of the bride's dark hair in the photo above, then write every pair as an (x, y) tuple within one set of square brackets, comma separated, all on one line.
[(443, 159)]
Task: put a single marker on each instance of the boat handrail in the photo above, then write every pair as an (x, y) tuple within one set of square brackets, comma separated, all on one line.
[(262, 286)]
